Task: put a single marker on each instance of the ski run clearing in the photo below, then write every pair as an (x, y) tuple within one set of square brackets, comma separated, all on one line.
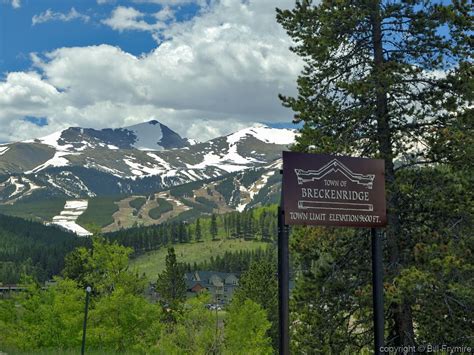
[(67, 218)]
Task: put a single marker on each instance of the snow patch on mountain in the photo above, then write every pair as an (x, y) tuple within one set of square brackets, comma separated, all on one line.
[(147, 134), (23, 187), (19, 187), (229, 162), (62, 150), (67, 218), (53, 141), (265, 134), (229, 159), (253, 190), (161, 161), (56, 161), (139, 169)]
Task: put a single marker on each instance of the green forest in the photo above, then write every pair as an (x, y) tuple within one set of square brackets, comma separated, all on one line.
[(121, 318), (33, 253), (29, 247)]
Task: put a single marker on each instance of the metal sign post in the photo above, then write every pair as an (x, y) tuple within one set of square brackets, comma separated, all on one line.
[(84, 326), (283, 283), (377, 290), (339, 191)]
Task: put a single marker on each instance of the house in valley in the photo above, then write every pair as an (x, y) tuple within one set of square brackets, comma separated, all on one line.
[(220, 285)]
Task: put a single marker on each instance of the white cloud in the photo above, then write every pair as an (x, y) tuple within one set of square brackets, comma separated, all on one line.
[(128, 18), (165, 14), (50, 15), (16, 4), (214, 74), (170, 2)]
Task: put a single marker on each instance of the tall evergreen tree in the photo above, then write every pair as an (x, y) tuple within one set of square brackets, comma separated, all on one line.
[(263, 224), (238, 225), (213, 227), (198, 232), (383, 79), (170, 283), (182, 233)]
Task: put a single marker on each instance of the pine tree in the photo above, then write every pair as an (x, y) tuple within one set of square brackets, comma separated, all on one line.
[(198, 233), (226, 225), (170, 284), (238, 226), (383, 79), (182, 233), (263, 226), (213, 227)]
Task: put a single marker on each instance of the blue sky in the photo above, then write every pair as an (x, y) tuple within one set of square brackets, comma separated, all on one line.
[(202, 67), (19, 36)]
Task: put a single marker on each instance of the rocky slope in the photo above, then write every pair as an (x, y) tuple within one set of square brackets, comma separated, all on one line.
[(140, 159)]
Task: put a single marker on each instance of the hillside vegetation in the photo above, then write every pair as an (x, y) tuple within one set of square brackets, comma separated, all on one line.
[(28, 247), (38, 210), (152, 263), (38, 250), (99, 211)]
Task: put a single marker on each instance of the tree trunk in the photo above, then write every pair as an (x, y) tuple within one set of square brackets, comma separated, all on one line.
[(403, 333)]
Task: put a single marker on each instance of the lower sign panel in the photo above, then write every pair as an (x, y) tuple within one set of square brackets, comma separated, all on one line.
[(331, 190)]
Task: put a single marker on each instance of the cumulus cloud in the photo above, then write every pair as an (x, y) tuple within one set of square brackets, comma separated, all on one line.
[(165, 14), (16, 4), (216, 73), (50, 15), (170, 2), (127, 19)]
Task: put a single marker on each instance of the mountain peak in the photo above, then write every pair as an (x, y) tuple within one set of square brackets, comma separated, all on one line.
[(265, 134), (151, 135)]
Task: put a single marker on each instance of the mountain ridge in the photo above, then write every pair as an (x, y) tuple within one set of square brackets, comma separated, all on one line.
[(79, 163)]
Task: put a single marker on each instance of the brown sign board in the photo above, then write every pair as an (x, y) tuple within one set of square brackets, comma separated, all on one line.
[(328, 190)]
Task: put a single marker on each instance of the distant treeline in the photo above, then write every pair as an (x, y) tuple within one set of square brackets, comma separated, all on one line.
[(31, 248), (234, 261), (257, 224), (28, 247)]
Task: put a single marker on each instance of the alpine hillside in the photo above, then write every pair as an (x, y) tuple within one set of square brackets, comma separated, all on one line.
[(144, 160)]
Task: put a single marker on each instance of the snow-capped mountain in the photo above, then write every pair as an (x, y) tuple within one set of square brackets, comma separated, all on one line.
[(151, 135), (148, 157)]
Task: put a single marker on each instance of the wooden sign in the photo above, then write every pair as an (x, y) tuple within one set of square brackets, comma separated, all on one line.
[(320, 189)]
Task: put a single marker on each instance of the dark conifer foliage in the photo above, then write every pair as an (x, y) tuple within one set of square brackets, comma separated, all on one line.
[(235, 262), (32, 248), (28, 247)]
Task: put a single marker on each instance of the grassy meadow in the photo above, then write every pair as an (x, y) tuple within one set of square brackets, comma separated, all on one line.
[(152, 263)]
